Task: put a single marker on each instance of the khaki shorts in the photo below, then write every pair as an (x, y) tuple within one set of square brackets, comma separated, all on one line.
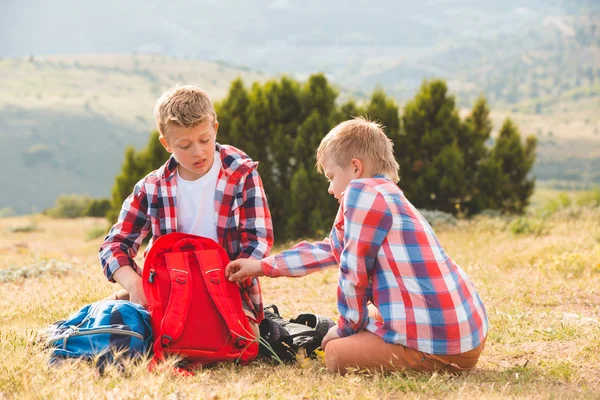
[(253, 324), (367, 351)]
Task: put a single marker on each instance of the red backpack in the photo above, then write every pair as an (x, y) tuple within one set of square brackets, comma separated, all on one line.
[(195, 311)]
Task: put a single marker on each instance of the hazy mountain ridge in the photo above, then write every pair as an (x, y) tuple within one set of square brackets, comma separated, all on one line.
[(63, 116), (65, 120)]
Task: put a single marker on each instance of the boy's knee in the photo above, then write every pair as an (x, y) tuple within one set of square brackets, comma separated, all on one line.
[(332, 358), (331, 361)]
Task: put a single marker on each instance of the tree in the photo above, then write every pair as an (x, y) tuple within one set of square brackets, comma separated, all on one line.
[(135, 166), (384, 110), (445, 162), (516, 160), (348, 110), (431, 123), (478, 169), (445, 180), (232, 114)]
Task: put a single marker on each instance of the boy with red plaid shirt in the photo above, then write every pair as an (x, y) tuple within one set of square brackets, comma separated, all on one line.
[(205, 188), (426, 314)]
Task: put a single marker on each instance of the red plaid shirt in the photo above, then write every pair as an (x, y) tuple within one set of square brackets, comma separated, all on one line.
[(388, 254), (244, 225)]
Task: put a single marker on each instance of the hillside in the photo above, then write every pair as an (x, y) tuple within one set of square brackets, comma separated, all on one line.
[(65, 121), (508, 49)]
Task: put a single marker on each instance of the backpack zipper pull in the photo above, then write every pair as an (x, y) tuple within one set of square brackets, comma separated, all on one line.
[(151, 277)]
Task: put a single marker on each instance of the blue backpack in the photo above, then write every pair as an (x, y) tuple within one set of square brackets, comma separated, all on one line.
[(101, 330)]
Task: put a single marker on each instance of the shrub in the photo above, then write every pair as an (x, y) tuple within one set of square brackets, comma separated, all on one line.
[(54, 267), (68, 206), (438, 218), (95, 233), (6, 212), (528, 226), (97, 208), (30, 227), (590, 198), (77, 206), (563, 200)]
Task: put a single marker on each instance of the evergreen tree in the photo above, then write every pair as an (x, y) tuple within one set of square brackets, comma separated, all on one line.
[(300, 205), (445, 162), (232, 115), (479, 168), (516, 160), (153, 156), (491, 182), (284, 117), (348, 110), (319, 114), (444, 178), (430, 124), (124, 182), (135, 166), (384, 110)]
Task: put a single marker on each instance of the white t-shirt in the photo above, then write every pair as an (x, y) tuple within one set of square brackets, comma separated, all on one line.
[(196, 203)]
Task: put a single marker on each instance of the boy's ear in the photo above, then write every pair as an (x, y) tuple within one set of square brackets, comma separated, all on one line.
[(357, 167), (165, 144), (216, 126)]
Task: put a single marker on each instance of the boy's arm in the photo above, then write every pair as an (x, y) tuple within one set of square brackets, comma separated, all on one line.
[(123, 241), (302, 259), (367, 221), (256, 236), (255, 226)]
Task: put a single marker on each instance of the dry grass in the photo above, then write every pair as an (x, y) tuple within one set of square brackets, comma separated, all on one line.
[(542, 295)]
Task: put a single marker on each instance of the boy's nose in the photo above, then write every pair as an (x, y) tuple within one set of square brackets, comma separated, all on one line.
[(197, 150), (330, 189)]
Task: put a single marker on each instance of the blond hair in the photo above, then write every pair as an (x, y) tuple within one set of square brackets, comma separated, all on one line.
[(363, 139), (185, 106)]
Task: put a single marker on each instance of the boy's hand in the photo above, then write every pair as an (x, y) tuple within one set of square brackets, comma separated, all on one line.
[(331, 335), (132, 282), (240, 269), (138, 296)]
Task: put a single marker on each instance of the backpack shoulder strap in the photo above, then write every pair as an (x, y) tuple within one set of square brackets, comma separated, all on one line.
[(180, 298), (169, 325), (214, 278)]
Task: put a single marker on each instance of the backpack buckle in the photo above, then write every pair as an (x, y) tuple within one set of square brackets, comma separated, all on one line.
[(240, 342), (165, 340)]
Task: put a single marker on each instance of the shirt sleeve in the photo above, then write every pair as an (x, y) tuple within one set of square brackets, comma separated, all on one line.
[(302, 259), (367, 221), (125, 237), (255, 226), (256, 236)]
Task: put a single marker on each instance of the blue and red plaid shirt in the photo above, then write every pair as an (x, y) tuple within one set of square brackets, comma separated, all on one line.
[(244, 226), (389, 255)]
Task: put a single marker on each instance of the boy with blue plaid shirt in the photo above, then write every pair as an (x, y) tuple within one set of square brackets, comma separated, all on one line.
[(426, 314)]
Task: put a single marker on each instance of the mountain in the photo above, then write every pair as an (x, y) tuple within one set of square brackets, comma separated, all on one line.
[(78, 80), (65, 120)]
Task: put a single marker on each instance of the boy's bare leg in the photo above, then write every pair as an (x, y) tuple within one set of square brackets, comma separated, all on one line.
[(365, 351)]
